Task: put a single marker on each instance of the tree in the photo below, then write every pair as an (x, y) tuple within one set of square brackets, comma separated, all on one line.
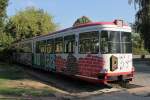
[(3, 36), (3, 5), (5, 40), (138, 44), (143, 20), (30, 22)]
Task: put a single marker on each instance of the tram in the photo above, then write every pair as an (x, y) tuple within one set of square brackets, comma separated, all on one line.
[(92, 51)]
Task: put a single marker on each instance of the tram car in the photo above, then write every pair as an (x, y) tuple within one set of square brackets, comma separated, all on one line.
[(92, 51)]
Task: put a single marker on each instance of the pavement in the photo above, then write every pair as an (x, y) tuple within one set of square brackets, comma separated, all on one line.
[(141, 92)]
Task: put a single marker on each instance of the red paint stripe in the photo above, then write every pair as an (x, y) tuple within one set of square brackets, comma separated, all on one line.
[(119, 73), (94, 24), (91, 79)]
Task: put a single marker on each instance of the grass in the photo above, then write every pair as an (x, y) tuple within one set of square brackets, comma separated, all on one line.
[(11, 72), (15, 81), (24, 92)]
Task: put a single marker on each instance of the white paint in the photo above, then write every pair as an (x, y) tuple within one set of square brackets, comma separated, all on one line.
[(124, 62)]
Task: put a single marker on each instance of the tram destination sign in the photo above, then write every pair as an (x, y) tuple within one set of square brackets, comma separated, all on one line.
[(82, 20)]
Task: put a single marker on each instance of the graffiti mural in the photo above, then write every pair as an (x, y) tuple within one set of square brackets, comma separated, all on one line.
[(71, 65), (60, 64), (90, 65), (52, 61), (47, 62)]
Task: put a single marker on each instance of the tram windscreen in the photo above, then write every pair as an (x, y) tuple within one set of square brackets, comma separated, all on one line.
[(116, 42)]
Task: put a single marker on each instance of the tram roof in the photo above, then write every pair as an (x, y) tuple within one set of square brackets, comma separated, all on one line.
[(82, 26), (79, 26)]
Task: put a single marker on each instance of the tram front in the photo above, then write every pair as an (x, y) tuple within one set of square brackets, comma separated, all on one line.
[(116, 50)]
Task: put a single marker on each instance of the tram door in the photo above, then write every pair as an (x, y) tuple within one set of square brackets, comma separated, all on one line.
[(50, 56), (71, 60)]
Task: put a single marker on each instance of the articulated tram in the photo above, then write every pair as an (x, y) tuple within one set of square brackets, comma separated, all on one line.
[(92, 51)]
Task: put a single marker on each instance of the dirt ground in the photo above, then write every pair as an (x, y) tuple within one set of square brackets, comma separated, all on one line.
[(59, 87)]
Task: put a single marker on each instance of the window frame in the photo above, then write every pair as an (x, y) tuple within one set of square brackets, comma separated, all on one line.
[(52, 43), (79, 42), (73, 38), (129, 43), (57, 40), (110, 42), (41, 43)]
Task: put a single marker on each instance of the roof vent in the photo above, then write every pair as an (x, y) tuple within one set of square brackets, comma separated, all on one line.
[(119, 22)]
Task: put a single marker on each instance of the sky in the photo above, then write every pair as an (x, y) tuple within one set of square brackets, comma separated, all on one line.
[(65, 12)]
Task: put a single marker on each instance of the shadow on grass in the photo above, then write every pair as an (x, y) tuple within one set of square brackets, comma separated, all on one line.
[(10, 73), (14, 72), (66, 83)]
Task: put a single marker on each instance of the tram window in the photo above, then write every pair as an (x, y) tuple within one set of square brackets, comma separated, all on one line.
[(126, 37), (114, 42), (104, 42), (126, 42), (50, 46), (89, 42), (126, 48), (114, 47), (69, 43), (59, 45), (37, 47), (41, 46), (114, 37)]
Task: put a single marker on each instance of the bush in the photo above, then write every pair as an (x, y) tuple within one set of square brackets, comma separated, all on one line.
[(7, 54), (139, 51), (138, 45)]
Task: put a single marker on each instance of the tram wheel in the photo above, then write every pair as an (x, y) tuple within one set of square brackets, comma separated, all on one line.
[(124, 83)]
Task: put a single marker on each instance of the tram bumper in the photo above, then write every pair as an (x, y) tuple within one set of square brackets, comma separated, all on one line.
[(110, 77)]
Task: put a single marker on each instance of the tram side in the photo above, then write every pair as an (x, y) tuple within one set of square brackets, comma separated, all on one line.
[(93, 53)]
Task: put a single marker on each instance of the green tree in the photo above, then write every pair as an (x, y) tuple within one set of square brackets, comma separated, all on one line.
[(3, 5), (3, 36), (5, 40), (143, 20), (30, 22), (138, 44)]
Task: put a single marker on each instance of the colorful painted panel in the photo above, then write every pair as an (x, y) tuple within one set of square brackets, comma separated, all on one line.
[(71, 65), (50, 62), (47, 60), (89, 66), (60, 64)]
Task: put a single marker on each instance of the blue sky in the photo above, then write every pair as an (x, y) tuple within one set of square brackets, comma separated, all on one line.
[(65, 12)]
